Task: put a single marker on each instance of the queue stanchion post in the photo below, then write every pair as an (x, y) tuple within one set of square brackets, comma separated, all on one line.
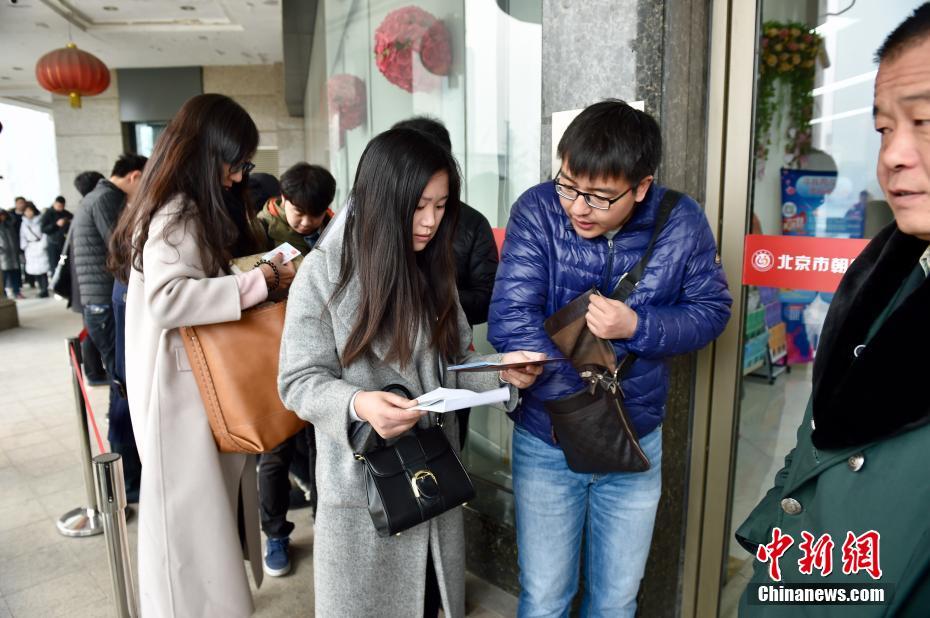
[(111, 497), (83, 520)]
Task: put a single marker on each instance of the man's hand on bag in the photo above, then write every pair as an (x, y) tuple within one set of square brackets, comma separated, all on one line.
[(610, 319), (521, 377), (385, 412)]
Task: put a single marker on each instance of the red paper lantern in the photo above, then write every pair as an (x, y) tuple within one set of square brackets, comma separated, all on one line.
[(73, 72)]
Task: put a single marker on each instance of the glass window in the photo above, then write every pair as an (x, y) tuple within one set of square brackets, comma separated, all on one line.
[(476, 66), (146, 134)]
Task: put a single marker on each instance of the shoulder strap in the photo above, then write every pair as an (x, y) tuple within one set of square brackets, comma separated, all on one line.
[(65, 247), (630, 280), (32, 232)]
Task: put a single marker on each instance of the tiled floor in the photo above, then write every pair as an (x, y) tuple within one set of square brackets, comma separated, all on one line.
[(769, 418), (44, 574)]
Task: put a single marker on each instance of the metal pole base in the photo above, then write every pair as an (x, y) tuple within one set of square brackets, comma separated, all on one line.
[(81, 521)]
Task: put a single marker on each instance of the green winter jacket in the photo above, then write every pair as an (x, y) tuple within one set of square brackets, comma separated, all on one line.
[(867, 382), (278, 230)]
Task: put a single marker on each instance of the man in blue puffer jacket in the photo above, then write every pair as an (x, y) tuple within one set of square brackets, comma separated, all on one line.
[(587, 228)]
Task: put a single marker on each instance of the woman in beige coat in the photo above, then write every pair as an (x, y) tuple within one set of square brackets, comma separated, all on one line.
[(178, 240), (375, 304)]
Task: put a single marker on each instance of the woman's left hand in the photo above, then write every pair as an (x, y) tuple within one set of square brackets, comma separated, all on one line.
[(286, 273), (521, 377)]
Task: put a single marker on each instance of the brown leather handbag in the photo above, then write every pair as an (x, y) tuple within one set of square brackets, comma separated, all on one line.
[(236, 368), (592, 426)]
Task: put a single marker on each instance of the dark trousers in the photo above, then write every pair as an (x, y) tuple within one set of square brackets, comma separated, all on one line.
[(462, 416), (93, 365), (274, 485), (13, 281), (101, 324), (101, 327), (42, 280), (122, 439), (432, 599)]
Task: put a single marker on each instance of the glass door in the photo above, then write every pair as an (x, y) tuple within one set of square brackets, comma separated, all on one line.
[(813, 158)]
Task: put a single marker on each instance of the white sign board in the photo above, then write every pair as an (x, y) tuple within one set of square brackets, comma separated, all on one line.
[(560, 122)]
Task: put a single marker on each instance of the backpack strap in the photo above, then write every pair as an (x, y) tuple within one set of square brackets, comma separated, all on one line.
[(630, 280)]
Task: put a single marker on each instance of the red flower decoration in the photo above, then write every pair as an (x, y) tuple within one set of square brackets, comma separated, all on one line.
[(346, 96), (405, 31)]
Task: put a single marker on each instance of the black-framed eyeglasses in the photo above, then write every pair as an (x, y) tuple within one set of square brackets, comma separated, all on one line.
[(245, 167), (597, 202)]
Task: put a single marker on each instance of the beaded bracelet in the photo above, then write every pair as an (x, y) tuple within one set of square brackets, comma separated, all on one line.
[(274, 269)]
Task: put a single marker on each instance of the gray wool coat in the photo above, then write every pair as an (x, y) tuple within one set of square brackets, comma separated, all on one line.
[(356, 573)]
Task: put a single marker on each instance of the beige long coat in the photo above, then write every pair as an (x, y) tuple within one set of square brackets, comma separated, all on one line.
[(190, 556), (357, 574)]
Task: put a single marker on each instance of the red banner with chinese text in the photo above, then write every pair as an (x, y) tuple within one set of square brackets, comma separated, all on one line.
[(798, 262)]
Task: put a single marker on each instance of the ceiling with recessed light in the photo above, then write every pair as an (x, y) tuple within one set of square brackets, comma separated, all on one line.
[(134, 34)]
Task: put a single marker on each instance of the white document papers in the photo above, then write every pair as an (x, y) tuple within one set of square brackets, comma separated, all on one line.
[(287, 251), (449, 399)]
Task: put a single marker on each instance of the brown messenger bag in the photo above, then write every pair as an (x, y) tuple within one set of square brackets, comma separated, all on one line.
[(236, 368)]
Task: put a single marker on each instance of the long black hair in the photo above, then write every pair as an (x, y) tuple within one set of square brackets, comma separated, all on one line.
[(401, 289), (208, 130)]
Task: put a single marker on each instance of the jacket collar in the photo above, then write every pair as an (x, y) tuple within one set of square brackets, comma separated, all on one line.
[(880, 392), (109, 186)]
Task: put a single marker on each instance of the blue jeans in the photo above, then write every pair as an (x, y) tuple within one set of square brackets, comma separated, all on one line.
[(556, 508), (121, 436), (101, 327)]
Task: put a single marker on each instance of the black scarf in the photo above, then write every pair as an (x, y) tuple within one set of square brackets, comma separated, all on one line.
[(882, 392)]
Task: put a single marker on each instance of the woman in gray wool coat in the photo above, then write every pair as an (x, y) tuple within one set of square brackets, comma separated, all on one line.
[(375, 304)]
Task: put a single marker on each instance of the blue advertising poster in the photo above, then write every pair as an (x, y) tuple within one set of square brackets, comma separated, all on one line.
[(802, 195), (812, 206)]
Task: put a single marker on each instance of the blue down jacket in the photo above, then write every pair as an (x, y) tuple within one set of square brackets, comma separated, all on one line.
[(682, 300)]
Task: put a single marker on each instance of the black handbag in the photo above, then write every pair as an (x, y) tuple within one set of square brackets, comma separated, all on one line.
[(592, 426), (61, 277), (413, 479)]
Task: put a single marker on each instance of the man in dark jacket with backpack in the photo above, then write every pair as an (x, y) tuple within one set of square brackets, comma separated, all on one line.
[(91, 229), (587, 228)]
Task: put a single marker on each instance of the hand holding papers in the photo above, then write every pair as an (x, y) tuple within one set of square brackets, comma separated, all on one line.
[(449, 399), (286, 250), (522, 371)]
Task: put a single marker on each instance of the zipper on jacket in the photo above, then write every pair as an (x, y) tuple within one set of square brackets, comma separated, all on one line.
[(610, 267)]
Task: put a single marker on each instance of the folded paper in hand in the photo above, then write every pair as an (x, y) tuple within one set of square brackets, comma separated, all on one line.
[(449, 399)]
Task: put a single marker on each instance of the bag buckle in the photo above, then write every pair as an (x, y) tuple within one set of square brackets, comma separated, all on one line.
[(606, 379), (422, 487)]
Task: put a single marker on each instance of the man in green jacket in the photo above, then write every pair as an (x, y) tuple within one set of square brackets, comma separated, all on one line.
[(851, 507), (299, 215)]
